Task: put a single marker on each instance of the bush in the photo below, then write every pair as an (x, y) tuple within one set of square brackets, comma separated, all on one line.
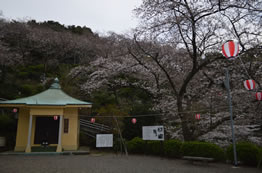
[(153, 147), (172, 148), (136, 145), (203, 149), (247, 153)]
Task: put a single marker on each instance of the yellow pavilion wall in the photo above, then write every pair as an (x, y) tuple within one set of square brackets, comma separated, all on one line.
[(69, 141), (22, 129)]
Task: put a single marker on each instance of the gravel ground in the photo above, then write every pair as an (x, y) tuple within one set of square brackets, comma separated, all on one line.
[(109, 163)]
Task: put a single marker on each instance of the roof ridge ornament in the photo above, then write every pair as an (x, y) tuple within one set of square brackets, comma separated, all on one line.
[(55, 84)]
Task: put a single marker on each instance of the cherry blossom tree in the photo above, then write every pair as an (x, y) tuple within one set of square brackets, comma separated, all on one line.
[(175, 55), (199, 28)]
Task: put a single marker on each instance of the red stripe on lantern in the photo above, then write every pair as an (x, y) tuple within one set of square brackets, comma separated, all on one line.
[(197, 116), (231, 47), (133, 120), (259, 96), (248, 85)]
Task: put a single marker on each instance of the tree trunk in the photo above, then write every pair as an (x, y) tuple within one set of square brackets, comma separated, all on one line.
[(3, 75), (185, 122), (187, 133)]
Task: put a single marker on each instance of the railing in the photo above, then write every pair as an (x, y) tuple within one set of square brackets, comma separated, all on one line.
[(91, 129)]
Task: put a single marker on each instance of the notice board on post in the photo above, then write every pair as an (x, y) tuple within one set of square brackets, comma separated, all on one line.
[(104, 140), (155, 133)]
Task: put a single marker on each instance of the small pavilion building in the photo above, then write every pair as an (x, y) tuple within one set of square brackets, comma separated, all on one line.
[(50, 117)]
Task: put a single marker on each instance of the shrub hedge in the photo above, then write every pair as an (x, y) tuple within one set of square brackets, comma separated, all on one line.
[(153, 147), (175, 149), (203, 149), (172, 148), (136, 145), (247, 153)]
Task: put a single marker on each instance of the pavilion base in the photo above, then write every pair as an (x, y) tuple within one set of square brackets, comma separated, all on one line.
[(59, 148), (28, 149)]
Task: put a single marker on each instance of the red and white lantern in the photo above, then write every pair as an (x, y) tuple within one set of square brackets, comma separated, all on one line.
[(93, 120), (197, 116), (133, 120), (249, 84), (15, 110), (55, 117), (259, 96), (230, 49)]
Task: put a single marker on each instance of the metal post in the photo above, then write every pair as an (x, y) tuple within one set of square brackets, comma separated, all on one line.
[(231, 115), (121, 138)]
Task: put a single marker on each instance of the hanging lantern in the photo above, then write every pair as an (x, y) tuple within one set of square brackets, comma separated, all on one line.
[(197, 116), (259, 96), (55, 117), (249, 84), (93, 120), (133, 120), (15, 110), (230, 49)]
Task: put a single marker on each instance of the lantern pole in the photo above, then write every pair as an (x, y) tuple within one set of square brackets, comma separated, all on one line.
[(120, 134), (231, 115)]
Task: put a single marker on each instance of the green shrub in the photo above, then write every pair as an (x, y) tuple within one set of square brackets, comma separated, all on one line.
[(153, 147), (136, 145), (172, 148), (203, 149), (247, 153)]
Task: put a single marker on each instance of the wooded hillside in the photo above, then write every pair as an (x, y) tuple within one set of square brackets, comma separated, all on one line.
[(171, 69)]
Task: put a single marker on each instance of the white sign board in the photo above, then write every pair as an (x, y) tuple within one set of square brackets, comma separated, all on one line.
[(153, 133), (104, 140)]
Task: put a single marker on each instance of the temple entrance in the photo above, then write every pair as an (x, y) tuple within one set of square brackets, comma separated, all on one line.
[(46, 129)]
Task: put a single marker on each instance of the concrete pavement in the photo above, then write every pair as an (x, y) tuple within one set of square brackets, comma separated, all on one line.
[(109, 163)]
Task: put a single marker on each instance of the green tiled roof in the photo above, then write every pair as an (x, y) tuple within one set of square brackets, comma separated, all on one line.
[(54, 96)]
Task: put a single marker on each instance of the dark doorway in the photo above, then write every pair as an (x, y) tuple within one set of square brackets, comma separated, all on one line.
[(46, 129)]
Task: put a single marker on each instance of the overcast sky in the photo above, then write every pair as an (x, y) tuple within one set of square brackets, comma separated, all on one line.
[(99, 15)]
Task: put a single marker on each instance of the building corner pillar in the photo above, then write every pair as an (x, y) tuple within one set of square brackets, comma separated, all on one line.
[(59, 145), (28, 146)]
